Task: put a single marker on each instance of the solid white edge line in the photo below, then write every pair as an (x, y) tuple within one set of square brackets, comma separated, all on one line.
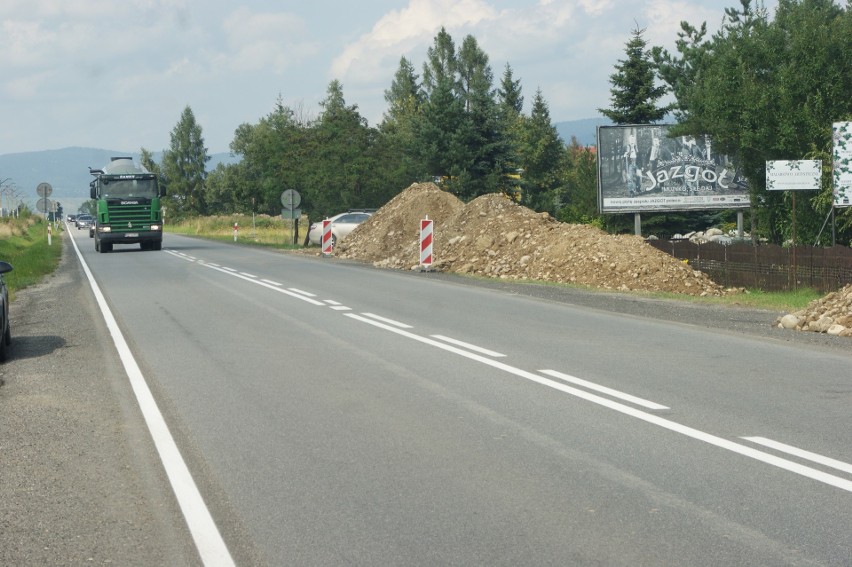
[(270, 282), (468, 346), (208, 541), (696, 434), (801, 453), (604, 390)]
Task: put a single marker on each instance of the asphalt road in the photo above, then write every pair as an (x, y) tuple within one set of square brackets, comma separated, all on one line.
[(331, 413)]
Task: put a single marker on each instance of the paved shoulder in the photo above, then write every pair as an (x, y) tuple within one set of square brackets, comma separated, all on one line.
[(82, 484)]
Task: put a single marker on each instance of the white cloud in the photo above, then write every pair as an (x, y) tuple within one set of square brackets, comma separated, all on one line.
[(375, 55), (265, 41)]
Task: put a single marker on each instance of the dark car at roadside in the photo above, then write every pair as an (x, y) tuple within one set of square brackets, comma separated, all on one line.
[(5, 324)]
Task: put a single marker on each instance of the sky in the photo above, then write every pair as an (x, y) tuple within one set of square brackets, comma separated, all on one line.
[(118, 74)]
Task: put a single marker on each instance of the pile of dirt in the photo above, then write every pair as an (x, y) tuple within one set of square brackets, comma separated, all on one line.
[(493, 236), (831, 314)]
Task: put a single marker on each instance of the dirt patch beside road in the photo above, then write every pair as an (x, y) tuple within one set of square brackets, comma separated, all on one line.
[(493, 236)]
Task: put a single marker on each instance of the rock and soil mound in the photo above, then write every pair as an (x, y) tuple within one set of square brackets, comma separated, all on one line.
[(494, 237), (831, 314)]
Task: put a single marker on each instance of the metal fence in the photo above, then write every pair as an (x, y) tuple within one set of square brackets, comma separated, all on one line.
[(766, 266)]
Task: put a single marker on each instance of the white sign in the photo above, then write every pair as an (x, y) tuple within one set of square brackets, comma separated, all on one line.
[(795, 175), (842, 162)]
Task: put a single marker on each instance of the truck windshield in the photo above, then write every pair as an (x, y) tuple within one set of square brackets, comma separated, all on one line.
[(127, 188)]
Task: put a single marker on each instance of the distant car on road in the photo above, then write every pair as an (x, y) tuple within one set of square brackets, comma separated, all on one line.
[(72, 219), (5, 324), (341, 225), (84, 221)]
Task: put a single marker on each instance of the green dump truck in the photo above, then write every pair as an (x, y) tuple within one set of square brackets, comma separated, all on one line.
[(128, 206)]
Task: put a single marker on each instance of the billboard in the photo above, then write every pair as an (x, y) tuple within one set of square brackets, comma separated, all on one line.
[(841, 133), (641, 168)]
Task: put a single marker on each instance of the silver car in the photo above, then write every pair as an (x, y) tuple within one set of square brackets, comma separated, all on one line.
[(341, 225), (84, 221)]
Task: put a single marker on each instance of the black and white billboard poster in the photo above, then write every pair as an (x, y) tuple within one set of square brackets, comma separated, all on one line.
[(842, 156), (641, 168)]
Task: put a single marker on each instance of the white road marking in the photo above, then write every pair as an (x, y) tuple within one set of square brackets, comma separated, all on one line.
[(305, 293), (801, 453), (605, 390), (208, 541), (231, 272), (246, 274), (399, 328), (468, 346), (179, 255), (693, 433), (388, 321), (270, 282)]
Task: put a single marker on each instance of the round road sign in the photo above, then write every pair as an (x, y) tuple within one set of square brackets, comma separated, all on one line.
[(44, 189), (290, 199)]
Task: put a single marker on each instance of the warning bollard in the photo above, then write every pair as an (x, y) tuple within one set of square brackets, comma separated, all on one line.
[(425, 244), (49, 234), (327, 238), (236, 229)]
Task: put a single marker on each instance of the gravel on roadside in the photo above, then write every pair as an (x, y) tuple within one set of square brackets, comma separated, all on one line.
[(81, 481)]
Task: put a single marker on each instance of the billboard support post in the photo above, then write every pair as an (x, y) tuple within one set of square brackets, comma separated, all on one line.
[(637, 223)]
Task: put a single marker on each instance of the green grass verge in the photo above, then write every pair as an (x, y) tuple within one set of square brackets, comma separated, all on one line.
[(263, 230), (23, 243)]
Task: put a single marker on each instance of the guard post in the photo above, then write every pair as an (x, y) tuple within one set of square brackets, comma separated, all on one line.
[(426, 226), (327, 238)]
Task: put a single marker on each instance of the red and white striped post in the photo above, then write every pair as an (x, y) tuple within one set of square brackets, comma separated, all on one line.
[(327, 240), (426, 244)]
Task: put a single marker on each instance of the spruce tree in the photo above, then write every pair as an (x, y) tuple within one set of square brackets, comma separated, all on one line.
[(184, 166), (634, 95)]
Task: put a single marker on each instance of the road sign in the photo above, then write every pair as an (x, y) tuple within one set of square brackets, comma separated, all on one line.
[(290, 199), (44, 190), (291, 214), (44, 205)]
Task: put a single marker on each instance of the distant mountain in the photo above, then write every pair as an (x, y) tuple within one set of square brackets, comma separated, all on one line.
[(584, 130), (67, 172)]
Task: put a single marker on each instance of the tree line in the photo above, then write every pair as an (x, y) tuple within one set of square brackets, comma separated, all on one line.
[(762, 88)]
